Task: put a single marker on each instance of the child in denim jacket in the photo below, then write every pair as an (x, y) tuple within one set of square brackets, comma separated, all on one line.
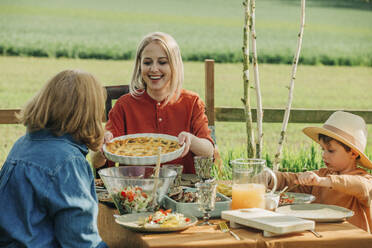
[(47, 195)]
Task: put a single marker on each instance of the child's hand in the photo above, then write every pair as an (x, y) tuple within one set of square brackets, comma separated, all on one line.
[(312, 179), (108, 136), (308, 178)]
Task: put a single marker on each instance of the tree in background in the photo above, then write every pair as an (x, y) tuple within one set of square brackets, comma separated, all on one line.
[(254, 149)]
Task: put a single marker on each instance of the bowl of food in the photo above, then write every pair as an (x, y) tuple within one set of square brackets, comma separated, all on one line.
[(143, 148), (134, 189), (160, 221), (185, 201), (292, 198)]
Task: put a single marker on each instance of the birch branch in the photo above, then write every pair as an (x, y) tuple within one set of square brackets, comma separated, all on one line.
[(246, 99), (291, 86), (257, 81)]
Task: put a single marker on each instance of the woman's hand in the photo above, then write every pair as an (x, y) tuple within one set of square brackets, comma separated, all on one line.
[(198, 146), (312, 179), (185, 138)]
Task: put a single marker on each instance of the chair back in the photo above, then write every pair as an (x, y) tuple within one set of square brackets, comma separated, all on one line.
[(113, 93)]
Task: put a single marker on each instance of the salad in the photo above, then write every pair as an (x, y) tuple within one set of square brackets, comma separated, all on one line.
[(165, 218), (285, 199), (132, 199)]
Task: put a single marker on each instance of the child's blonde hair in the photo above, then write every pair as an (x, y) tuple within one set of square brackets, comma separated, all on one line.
[(72, 102), (172, 50)]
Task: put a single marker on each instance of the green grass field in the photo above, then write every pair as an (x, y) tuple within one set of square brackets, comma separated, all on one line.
[(337, 32), (319, 87)]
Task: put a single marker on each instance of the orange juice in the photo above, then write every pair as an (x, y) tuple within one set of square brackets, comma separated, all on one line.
[(250, 195)]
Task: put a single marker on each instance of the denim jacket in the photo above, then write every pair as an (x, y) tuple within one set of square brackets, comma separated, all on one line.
[(47, 195)]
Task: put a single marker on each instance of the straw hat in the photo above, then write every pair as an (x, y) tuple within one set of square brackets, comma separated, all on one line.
[(347, 128)]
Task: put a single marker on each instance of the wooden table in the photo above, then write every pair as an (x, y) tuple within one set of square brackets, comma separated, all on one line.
[(337, 235)]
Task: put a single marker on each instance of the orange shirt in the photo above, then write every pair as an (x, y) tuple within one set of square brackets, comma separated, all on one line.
[(352, 191), (143, 114)]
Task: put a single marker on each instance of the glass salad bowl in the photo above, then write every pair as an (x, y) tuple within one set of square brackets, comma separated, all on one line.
[(134, 188)]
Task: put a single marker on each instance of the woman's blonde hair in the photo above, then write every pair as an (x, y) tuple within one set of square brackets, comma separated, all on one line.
[(171, 48), (72, 102)]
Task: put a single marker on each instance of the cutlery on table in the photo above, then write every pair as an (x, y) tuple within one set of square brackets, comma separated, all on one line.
[(286, 189), (101, 190), (224, 228), (283, 190), (316, 234)]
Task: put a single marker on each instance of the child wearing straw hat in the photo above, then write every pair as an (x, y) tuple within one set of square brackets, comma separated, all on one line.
[(343, 139)]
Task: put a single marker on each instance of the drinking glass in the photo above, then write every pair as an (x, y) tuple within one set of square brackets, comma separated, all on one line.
[(206, 198), (178, 168), (271, 201), (250, 180), (203, 167)]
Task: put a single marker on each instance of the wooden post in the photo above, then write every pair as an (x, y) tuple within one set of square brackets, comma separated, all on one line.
[(8, 116), (209, 102), (209, 90)]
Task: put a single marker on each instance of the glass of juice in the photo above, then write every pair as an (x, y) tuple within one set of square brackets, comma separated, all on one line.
[(250, 180)]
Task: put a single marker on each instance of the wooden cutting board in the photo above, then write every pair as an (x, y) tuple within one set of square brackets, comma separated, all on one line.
[(271, 223)]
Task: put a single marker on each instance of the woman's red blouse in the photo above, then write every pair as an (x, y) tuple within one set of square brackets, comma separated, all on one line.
[(143, 114)]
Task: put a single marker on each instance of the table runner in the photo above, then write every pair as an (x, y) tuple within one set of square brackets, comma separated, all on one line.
[(340, 235)]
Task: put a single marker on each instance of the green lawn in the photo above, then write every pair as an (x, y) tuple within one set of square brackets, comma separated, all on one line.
[(334, 34), (319, 87)]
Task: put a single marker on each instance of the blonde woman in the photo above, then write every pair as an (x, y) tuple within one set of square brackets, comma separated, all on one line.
[(158, 104), (47, 195)]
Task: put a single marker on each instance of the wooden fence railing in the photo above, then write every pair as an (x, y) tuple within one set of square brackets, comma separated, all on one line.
[(276, 115), (273, 115), (7, 116)]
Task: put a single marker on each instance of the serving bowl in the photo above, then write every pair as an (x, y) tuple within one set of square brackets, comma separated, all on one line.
[(132, 187), (144, 160), (192, 208)]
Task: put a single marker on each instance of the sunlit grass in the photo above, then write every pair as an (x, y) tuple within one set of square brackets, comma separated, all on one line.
[(318, 87), (203, 29)]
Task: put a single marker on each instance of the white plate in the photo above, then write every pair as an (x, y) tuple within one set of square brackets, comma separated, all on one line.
[(105, 198), (144, 160), (131, 221), (317, 212), (298, 198)]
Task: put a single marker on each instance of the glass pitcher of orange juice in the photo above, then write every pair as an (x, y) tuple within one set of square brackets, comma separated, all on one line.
[(250, 180)]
